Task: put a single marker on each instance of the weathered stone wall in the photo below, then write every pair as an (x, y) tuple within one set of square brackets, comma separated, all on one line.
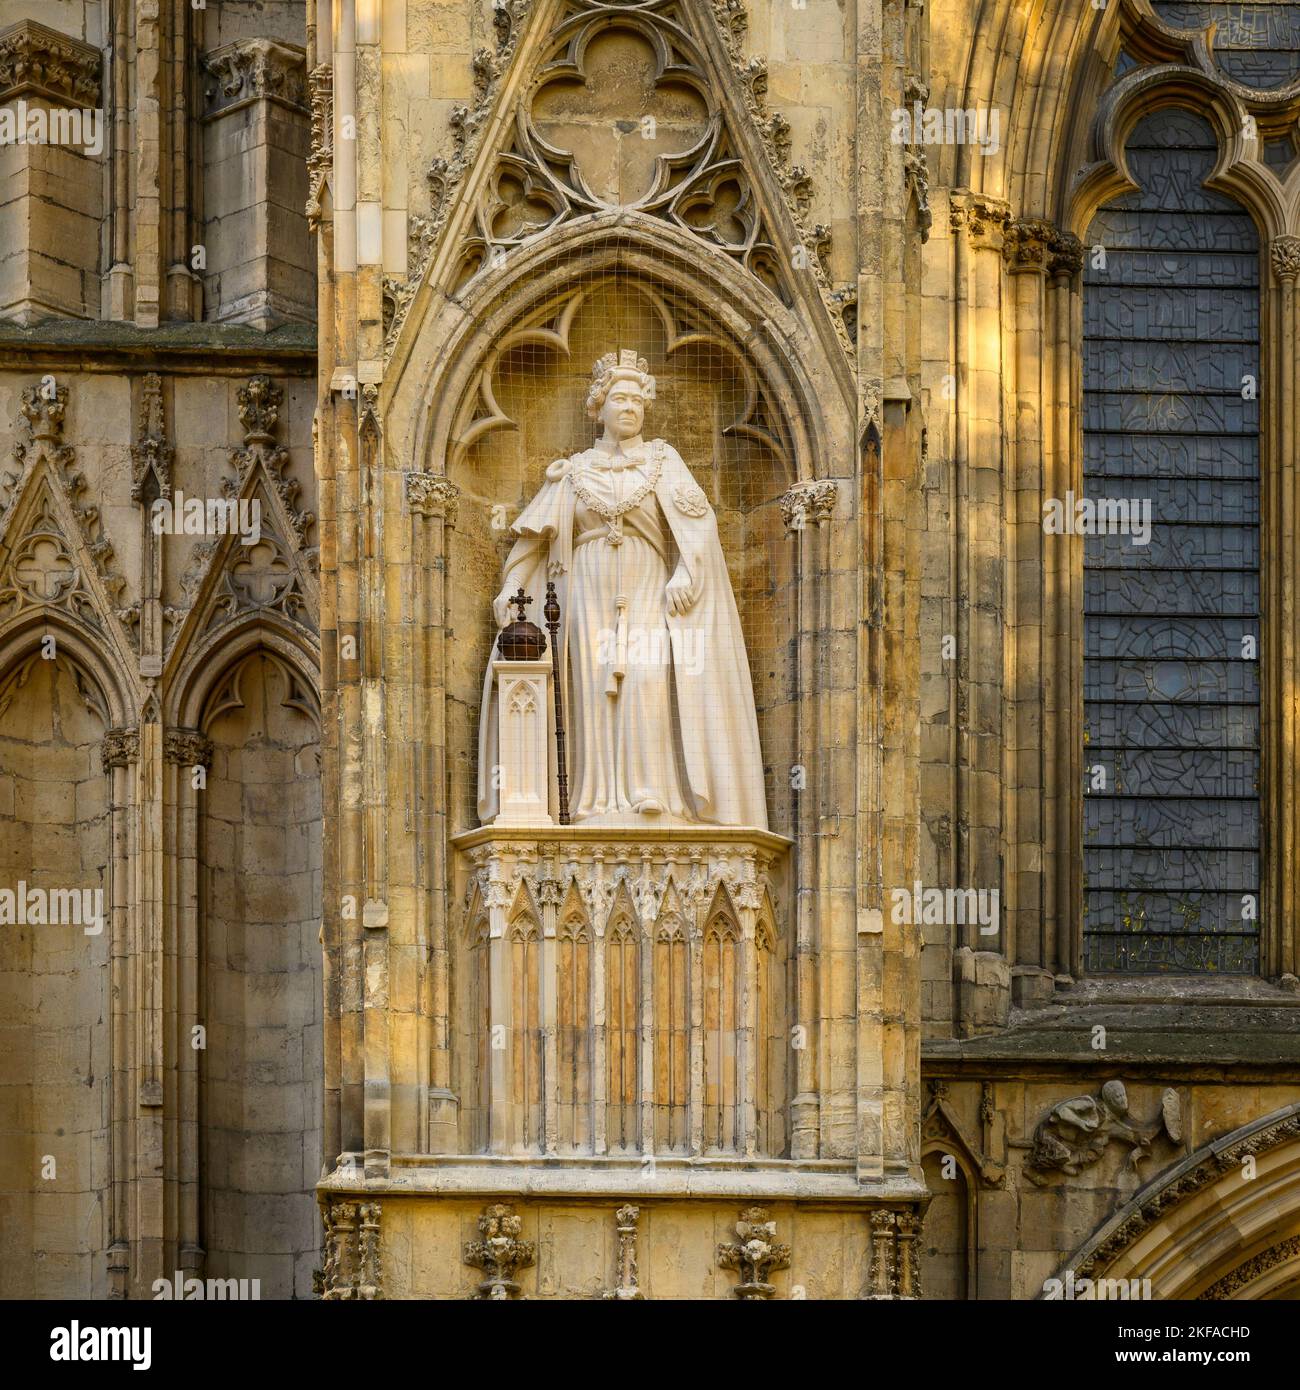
[(55, 1003)]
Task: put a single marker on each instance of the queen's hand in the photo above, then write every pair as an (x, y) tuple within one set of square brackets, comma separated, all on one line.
[(679, 594), (501, 605)]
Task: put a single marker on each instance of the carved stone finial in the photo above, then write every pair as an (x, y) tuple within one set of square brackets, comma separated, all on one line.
[(1286, 257), (151, 453), (320, 87), (755, 1255), (882, 1275), (259, 408), (43, 410), (352, 1267), (500, 1254)]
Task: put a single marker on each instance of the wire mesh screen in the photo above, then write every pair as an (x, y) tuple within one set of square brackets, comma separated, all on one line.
[(621, 444)]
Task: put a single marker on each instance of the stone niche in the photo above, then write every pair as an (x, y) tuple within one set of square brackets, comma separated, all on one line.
[(620, 993), (51, 184), (712, 405), (260, 263)]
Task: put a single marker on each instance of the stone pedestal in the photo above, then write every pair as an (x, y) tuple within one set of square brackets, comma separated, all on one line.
[(523, 741)]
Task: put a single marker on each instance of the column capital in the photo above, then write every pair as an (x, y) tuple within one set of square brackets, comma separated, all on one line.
[(431, 494), (120, 747), (187, 748), (811, 501), (1285, 251), (41, 62), (983, 218)]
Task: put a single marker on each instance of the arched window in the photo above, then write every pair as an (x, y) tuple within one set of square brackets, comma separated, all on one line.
[(672, 1036), (1171, 568), (573, 1032), (622, 1032), (721, 1023), (526, 1028)]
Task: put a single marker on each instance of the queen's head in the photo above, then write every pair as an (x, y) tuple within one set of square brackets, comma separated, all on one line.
[(621, 389)]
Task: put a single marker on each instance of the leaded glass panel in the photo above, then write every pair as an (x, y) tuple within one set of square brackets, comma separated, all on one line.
[(1171, 609), (1255, 44)]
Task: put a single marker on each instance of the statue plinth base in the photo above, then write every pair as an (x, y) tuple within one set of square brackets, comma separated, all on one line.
[(631, 983)]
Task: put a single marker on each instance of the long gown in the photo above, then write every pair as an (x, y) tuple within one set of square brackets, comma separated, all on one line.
[(624, 753)]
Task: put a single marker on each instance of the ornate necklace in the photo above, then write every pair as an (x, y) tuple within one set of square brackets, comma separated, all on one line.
[(612, 512)]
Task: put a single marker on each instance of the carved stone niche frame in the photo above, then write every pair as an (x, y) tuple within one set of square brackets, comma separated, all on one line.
[(1176, 69), (498, 418), (565, 150)]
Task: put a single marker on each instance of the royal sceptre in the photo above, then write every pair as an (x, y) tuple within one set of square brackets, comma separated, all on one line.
[(552, 615)]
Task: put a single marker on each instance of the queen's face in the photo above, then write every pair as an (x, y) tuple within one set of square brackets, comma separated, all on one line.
[(624, 410)]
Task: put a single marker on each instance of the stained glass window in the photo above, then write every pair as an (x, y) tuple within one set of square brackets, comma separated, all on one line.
[(1171, 627), (1255, 44)]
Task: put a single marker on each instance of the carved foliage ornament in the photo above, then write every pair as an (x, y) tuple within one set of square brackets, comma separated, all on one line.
[(1286, 257), (256, 69), (430, 494), (808, 504), (499, 1253), (352, 1270), (320, 85), (41, 62), (755, 1255)]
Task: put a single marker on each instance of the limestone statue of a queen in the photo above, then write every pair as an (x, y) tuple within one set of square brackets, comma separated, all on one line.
[(657, 697)]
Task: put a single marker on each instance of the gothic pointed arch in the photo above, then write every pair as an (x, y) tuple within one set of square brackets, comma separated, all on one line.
[(643, 109), (1223, 1223), (264, 572)]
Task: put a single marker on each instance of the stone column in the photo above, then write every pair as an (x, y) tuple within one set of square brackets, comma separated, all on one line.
[(433, 502), (806, 509), (120, 754), (187, 755), (1063, 624)]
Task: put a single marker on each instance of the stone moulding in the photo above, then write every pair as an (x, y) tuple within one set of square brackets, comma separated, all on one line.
[(41, 62)]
